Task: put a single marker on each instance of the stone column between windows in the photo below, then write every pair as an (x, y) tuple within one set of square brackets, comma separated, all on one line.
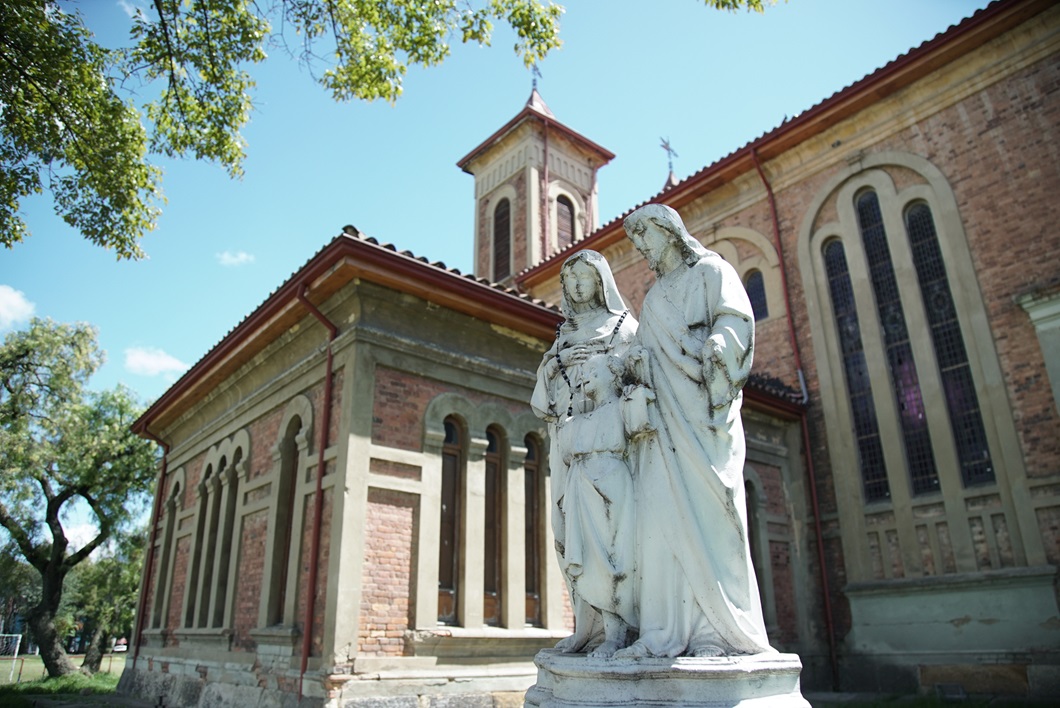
[(513, 587), (473, 538), (426, 593)]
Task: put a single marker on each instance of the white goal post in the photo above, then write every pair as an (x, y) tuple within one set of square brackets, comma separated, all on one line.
[(9, 646)]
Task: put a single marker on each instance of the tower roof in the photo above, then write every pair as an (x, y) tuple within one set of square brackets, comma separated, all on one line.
[(536, 110)]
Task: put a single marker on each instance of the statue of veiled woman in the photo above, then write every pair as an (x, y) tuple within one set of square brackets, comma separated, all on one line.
[(579, 392)]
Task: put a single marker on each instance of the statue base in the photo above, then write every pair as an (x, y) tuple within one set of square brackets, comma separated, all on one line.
[(760, 680)]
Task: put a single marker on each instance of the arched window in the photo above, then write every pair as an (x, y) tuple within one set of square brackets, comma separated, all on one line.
[(201, 527), (494, 548), (453, 458), (564, 222), (532, 553), (917, 416), (898, 350), (756, 292), (282, 533), (855, 368), (228, 503), (502, 240), (162, 577), (210, 543), (962, 401)]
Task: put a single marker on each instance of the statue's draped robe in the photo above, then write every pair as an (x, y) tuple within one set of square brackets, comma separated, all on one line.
[(592, 490), (695, 582)]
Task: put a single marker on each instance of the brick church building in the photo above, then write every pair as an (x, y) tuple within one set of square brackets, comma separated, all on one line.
[(353, 503)]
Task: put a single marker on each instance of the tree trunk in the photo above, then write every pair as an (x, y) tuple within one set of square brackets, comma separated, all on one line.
[(52, 653), (42, 622), (94, 652)]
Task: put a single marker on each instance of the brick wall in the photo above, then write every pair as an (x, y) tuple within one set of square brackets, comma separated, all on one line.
[(252, 542), (390, 527), (322, 565)]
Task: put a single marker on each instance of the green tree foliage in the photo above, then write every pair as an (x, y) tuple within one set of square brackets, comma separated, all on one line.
[(67, 124), (61, 445), (19, 589), (106, 593)]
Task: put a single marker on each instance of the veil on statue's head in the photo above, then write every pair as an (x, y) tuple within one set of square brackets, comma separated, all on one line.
[(612, 298)]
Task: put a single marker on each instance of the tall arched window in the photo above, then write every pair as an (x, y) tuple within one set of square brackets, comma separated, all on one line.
[(210, 543), (966, 420), (282, 533), (162, 576), (532, 553), (756, 293), (201, 527), (493, 560), (564, 222), (855, 368), (898, 350), (228, 504), (502, 240), (917, 410), (453, 458)]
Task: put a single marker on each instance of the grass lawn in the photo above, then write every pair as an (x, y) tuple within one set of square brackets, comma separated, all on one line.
[(16, 694)]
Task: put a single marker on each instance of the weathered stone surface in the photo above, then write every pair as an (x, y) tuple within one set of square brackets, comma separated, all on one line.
[(760, 681)]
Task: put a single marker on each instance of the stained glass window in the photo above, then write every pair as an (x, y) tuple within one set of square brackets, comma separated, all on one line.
[(756, 292), (863, 410), (962, 401), (899, 352)]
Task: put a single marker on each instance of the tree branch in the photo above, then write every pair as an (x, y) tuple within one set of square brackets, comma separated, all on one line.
[(32, 553), (172, 55), (75, 139)]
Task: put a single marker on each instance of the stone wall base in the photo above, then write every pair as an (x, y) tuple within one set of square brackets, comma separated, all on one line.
[(760, 681)]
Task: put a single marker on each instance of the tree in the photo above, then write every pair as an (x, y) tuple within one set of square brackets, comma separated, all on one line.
[(63, 446), (67, 124), (106, 594), (18, 591)]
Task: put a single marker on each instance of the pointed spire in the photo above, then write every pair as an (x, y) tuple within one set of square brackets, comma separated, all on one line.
[(536, 103), (671, 181)]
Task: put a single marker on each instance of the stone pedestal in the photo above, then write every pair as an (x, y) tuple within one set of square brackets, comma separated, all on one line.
[(761, 681)]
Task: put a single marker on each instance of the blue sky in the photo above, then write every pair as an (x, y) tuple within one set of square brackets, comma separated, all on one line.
[(630, 72)]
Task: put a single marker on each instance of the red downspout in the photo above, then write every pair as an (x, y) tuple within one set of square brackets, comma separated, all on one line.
[(142, 608), (318, 507), (811, 473)]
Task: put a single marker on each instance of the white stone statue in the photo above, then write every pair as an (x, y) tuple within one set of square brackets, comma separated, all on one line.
[(696, 592), (579, 387)]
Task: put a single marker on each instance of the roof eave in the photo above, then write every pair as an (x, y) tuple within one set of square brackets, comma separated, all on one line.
[(338, 263)]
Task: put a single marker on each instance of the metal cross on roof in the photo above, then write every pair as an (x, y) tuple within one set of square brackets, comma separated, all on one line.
[(670, 152), (537, 75)]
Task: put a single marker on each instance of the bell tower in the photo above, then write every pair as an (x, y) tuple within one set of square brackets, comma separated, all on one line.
[(535, 191)]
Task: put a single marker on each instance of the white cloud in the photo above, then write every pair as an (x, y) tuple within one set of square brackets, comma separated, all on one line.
[(148, 361), (131, 9), (232, 260), (14, 307), (80, 535)]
